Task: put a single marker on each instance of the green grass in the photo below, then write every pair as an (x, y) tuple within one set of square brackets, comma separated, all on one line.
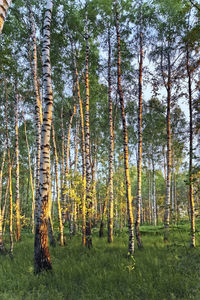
[(158, 271)]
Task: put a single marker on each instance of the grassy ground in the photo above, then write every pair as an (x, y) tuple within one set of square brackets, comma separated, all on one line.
[(157, 272)]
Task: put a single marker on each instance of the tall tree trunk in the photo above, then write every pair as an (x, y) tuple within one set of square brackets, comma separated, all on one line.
[(76, 143), (50, 227), (57, 188), (154, 195), (38, 112), (83, 154), (125, 140), (63, 155), (103, 215), (111, 152), (17, 201), (41, 249), (68, 144), (149, 193), (87, 140), (10, 177), (175, 199), (191, 192), (2, 248), (94, 196), (139, 161), (168, 188), (4, 5), (30, 176)]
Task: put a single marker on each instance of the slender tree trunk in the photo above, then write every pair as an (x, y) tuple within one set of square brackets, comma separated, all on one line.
[(17, 201), (41, 249), (30, 176), (125, 139), (50, 227), (111, 198), (76, 143), (87, 141), (103, 215), (94, 196), (63, 156), (168, 189), (10, 177), (175, 199), (38, 114), (68, 144), (57, 188), (139, 162), (154, 196), (2, 248), (83, 155), (4, 5), (191, 192)]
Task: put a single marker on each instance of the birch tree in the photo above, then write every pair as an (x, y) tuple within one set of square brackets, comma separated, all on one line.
[(41, 249)]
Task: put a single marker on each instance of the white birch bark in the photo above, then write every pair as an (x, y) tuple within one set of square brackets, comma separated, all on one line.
[(42, 255)]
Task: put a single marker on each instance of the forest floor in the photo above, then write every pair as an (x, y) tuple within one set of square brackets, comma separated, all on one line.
[(158, 271)]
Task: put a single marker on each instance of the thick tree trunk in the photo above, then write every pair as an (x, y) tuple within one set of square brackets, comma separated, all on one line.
[(191, 192), (125, 140), (139, 162), (111, 153), (17, 201), (168, 188), (57, 188), (4, 5), (41, 249)]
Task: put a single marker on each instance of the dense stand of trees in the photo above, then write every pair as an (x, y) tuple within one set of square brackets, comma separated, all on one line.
[(92, 126)]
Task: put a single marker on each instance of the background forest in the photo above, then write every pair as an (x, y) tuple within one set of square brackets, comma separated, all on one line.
[(99, 155)]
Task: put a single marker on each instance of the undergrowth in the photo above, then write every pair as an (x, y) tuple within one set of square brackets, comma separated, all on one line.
[(158, 271)]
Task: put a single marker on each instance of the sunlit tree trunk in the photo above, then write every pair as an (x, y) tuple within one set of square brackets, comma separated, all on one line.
[(4, 5), (168, 189), (41, 249), (87, 141), (111, 150), (83, 155), (57, 188), (154, 195), (17, 200), (103, 215), (2, 248), (10, 177), (30, 176), (38, 112), (125, 140), (191, 191), (68, 144), (139, 160), (94, 198), (50, 225), (63, 154)]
